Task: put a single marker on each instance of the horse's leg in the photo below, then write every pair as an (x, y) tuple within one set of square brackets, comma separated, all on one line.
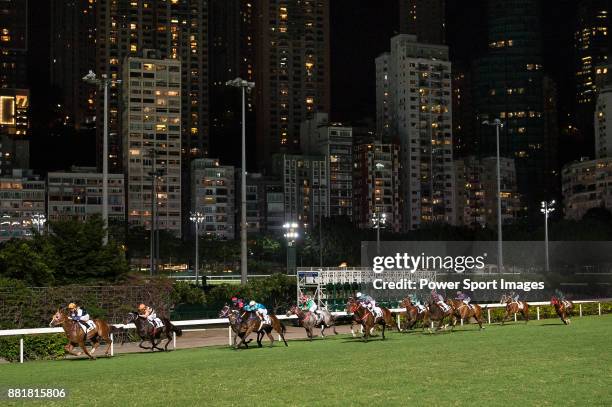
[(384, 325), (84, 347), (95, 342), (271, 337), (70, 349), (105, 334), (140, 344)]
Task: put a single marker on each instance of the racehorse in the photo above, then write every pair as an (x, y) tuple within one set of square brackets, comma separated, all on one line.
[(465, 312), (146, 331), (437, 314), (251, 323), (235, 322), (367, 319), (355, 321), (413, 314), (564, 309), (309, 320), (513, 307), (77, 337)]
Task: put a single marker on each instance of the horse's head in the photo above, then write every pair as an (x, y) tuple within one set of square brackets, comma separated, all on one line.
[(224, 311), (130, 317), (292, 311), (58, 318), (352, 307), (406, 302), (504, 299)]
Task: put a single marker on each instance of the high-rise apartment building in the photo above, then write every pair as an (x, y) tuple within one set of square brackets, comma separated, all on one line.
[(376, 185), (423, 18), (73, 54), (603, 123), (22, 197), (305, 186), (151, 120), (213, 196), (585, 185), (176, 29), (384, 99), (265, 204), (292, 71), (14, 93), (421, 116), (334, 141), (77, 194), (509, 85)]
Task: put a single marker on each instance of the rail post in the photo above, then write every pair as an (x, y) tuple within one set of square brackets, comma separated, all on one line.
[(461, 321), (599, 307), (489, 315), (398, 319), (229, 335), (173, 340), (112, 339), (515, 317), (580, 306), (538, 312), (20, 350)]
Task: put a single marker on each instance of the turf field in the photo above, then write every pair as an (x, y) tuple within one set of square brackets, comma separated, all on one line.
[(543, 363)]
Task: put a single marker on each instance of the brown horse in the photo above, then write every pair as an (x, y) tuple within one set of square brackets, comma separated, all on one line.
[(564, 309), (251, 323), (436, 314), (513, 307), (309, 321), (465, 312), (77, 337), (147, 332), (368, 320), (413, 314)]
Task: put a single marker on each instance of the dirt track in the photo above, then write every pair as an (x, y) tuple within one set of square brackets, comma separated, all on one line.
[(218, 336)]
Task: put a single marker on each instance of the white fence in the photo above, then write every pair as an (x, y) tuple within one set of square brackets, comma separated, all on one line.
[(217, 321)]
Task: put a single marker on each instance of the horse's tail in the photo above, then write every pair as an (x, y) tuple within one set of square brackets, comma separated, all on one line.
[(282, 327), (175, 329)]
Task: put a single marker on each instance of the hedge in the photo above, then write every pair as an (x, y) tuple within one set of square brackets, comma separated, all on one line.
[(36, 347)]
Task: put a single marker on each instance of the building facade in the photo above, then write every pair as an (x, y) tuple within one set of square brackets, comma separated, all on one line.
[(152, 141), (603, 123), (292, 74), (420, 86), (509, 85), (586, 184), (335, 141), (78, 195), (423, 18), (213, 196), (22, 196), (376, 185), (305, 187), (265, 204)]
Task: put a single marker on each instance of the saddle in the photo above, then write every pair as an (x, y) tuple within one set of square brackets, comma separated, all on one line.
[(157, 324), (87, 326), (566, 304), (519, 303)]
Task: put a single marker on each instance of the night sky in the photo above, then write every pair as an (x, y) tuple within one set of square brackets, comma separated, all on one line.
[(360, 31)]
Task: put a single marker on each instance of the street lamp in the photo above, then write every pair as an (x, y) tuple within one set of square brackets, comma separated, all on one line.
[(39, 220), (197, 218), (378, 222), (103, 83), (246, 87), (291, 234), (546, 209), (500, 260)]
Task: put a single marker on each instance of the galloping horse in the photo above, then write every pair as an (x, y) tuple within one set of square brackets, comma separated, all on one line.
[(465, 312), (77, 337), (146, 331), (251, 323), (309, 320), (235, 322), (368, 320), (564, 309), (413, 314), (437, 314), (513, 307)]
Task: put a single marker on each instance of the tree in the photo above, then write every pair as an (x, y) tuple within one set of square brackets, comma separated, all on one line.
[(22, 260)]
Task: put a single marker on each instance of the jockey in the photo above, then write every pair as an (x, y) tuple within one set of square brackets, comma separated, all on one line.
[(260, 310), (514, 296), (238, 303), (416, 301), (80, 315), (149, 313), (439, 300), (307, 304), (463, 298), (369, 303)]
